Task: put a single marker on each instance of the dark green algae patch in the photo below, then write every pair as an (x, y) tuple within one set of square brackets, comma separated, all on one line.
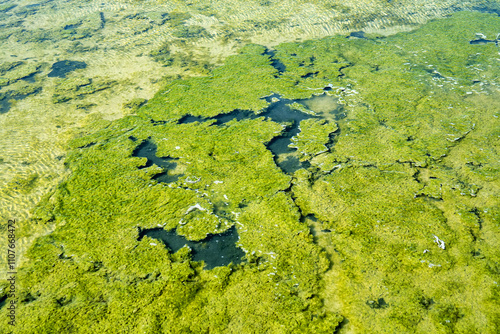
[(413, 163)]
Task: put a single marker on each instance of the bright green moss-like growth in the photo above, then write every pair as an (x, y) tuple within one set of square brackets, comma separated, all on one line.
[(112, 192), (312, 138), (226, 89), (405, 198), (134, 104)]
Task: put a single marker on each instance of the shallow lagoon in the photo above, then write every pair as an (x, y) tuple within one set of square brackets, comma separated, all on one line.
[(413, 159)]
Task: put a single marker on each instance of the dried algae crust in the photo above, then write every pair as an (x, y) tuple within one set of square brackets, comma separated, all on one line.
[(413, 163)]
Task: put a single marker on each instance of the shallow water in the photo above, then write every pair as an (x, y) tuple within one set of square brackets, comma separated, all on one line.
[(147, 149), (215, 250), (4, 104), (378, 202), (61, 68)]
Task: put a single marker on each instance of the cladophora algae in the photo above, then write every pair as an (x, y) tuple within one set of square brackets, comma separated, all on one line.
[(407, 132), (18, 78), (215, 250), (280, 110), (7, 97)]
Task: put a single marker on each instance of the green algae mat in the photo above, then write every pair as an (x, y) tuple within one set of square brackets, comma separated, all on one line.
[(389, 222)]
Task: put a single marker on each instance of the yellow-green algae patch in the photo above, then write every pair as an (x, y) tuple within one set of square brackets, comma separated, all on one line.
[(410, 198), (226, 89), (405, 253), (312, 138), (78, 87), (112, 192), (109, 34)]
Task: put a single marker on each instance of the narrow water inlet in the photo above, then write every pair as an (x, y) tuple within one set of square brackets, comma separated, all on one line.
[(280, 111), (276, 63), (147, 149)]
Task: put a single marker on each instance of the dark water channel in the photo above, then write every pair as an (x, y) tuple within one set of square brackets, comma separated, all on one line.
[(279, 111), (483, 41), (276, 63), (216, 249), (148, 150), (3, 301)]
